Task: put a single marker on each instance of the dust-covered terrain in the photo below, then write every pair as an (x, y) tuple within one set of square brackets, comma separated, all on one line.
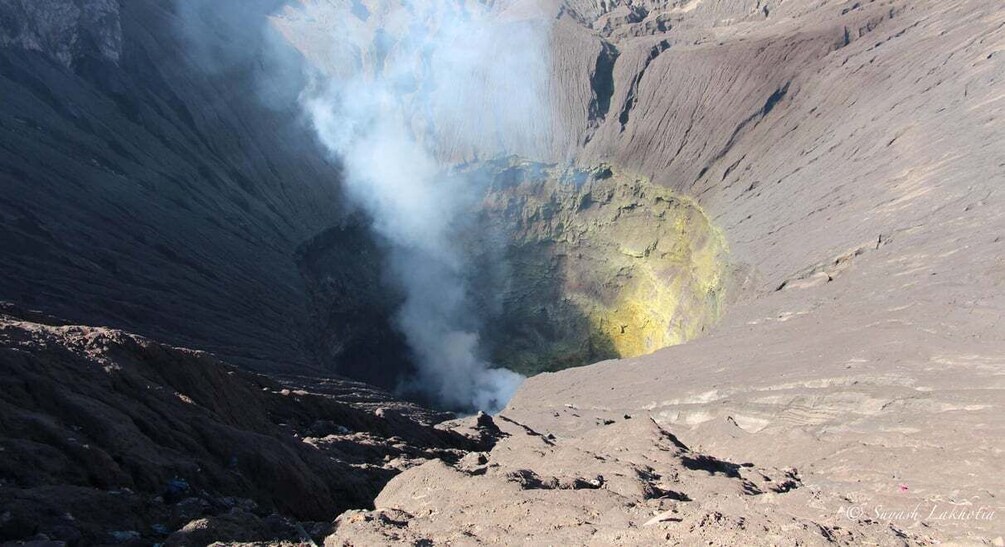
[(777, 224)]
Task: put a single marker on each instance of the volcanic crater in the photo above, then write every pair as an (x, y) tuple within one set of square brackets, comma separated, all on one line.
[(593, 264), (808, 192)]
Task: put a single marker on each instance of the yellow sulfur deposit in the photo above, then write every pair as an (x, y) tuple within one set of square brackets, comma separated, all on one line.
[(600, 265)]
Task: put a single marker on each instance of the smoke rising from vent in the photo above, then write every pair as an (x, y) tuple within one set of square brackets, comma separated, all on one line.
[(399, 93)]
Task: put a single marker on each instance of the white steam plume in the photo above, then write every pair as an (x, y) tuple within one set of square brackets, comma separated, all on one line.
[(403, 90)]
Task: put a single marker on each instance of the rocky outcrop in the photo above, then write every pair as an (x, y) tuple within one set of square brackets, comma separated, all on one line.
[(108, 437), (65, 30), (623, 481)]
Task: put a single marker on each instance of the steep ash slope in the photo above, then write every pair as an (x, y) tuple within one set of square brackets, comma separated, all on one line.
[(165, 186)]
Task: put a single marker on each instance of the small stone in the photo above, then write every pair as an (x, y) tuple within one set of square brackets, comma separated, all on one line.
[(123, 536)]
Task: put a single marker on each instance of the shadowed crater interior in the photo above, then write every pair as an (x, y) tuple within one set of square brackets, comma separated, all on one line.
[(567, 267)]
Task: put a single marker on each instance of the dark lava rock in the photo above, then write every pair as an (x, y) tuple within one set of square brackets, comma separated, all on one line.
[(103, 432)]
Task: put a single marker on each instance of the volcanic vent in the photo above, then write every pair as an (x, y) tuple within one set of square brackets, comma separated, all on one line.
[(499, 263), (574, 266), (567, 267)]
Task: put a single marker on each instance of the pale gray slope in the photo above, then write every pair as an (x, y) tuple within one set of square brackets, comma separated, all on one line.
[(870, 194)]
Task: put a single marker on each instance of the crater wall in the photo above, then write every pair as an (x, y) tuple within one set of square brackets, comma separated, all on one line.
[(596, 265)]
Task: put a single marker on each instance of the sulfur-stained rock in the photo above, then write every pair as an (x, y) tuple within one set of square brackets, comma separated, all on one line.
[(596, 265)]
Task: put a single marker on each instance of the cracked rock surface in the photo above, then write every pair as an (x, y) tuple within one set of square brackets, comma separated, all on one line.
[(108, 437), (626, 482)]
